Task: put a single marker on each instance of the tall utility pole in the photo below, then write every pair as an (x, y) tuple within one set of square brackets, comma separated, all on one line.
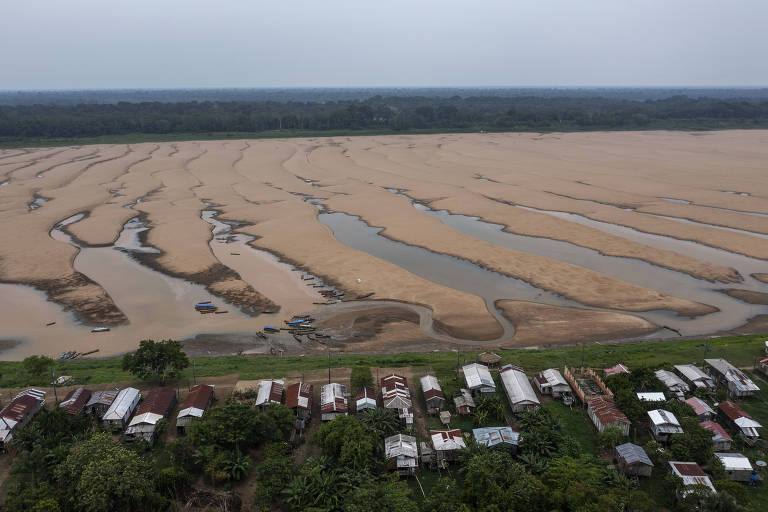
[(329, 363), (53, 382), (194, 374), (457, 364)]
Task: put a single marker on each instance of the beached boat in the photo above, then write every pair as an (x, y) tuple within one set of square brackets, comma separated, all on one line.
[(271, 328), (100, 329)]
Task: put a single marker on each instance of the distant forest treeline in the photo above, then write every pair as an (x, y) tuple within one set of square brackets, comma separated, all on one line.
[(393, 113)]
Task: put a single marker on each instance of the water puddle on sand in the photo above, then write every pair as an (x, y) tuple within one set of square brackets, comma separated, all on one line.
[(278, 281), (733, 312), (157, 306)]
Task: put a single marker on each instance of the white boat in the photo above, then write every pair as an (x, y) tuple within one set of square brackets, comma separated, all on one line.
[(100, 329)]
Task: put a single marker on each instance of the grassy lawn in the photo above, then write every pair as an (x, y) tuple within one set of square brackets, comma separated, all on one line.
[(575, 422)]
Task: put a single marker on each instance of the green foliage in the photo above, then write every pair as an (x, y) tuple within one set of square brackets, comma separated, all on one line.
[(541, 436), (695, 443), (38, 498), (232, 426), (156, 360), (282, 419), (387, 494), (38, 368), (494, 481), (348, 441), (611, 437), (361, 376), (380, 421), (275, 472)]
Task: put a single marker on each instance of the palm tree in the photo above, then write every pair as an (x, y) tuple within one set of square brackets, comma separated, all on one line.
[(382, 422), (534, 462)]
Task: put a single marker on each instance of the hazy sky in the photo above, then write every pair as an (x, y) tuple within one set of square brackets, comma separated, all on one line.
[(55, 44)]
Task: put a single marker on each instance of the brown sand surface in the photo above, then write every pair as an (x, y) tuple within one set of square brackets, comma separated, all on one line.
[(748, 296), (627, 178), (761, 277)]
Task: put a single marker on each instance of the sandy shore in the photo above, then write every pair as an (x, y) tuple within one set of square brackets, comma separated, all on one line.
[(707, 188)]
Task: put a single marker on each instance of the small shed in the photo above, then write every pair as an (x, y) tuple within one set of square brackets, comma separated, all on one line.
[(122, 408), (157, 405), (664, 424), (365, 398), (632, 460), (402, 454), (479, 380), (298, 398), (333, 401), (721, 441), (603, 412), (651, 396), (447, 445), (269, 392), (695, 376), (702, 410), (495, 436), (100, 402), (691, 474), (74, 402), (519, 391), (445, 418), (433, 394), (552, 382), (674, 383), (734, 380), (741, 421), (198, 400), (736, 465), (489, 359), (465, 403)]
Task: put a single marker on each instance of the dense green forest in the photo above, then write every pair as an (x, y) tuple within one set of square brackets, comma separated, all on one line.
[(382, 114)]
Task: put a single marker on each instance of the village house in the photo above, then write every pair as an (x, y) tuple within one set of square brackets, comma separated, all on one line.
[(632, 460), (495, 436), (551, 382), (702, 410), (603, 412), (18, 413), (691, 474), (720, 439), (464, 403), (479, 380), (120, 411), (396, 395), (489, 359), (365, 398), (694, 376), (736, 465), (725, 374), (269, 392), (74, 401), (447, 445), (99, 402), (674, 383), (198, 400), (651, 396), (616, 369), (402, 454), (740, 421), (433, 394), (762, 365), (333, 401), (298, 398), (664, 424), (157, 405), (519, 391)]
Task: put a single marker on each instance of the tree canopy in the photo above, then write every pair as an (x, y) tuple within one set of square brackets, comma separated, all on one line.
[(156, 360)]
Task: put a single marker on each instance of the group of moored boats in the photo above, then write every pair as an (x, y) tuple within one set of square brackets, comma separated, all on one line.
[(73, 354), (298, 326), (208, 307)]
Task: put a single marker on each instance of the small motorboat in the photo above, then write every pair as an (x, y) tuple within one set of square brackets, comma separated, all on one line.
[(100, 329), (271, 328)]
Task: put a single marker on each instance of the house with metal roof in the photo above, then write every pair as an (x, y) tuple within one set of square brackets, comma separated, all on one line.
[(651, 396), (551, 382), (433, 394), (632, 460), (519, 391), (694, 376), (664, 424), (761, 365), (447, 445), (489, 359), (402, 454), (18, 413), (702, 410), (157, 405), (465, 403), (100, 402), (603, 412), (298, 398), (495, 436), (691, 474), (735, 381), (479, 380), (740, 420), (199, 399), (736, 465), (674, 383), (269, 392), (721, 441), (333, 401), (74, 401), (365, 398), (396, 395), (120, 411)]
